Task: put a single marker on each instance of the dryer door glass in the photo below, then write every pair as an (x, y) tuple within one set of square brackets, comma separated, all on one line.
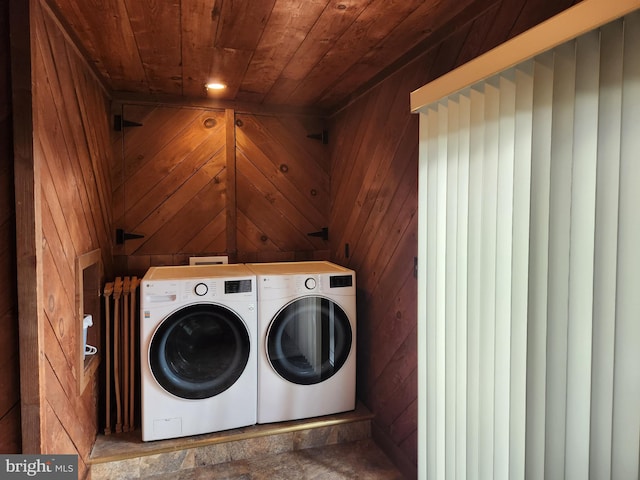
[(309, 340), (199, 351)]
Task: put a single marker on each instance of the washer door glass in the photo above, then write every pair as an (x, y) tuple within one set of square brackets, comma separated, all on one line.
[(199, 351), (309, 340)]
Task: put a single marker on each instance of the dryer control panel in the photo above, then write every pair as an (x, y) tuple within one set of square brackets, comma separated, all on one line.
[(281, 286)]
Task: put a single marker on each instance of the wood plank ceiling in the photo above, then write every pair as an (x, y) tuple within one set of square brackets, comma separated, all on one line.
[(314, 54)]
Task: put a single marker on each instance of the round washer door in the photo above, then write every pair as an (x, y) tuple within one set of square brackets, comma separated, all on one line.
[(199, 351), (309, 340)]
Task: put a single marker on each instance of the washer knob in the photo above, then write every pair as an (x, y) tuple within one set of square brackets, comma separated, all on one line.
[(310, 283), (201, 289)]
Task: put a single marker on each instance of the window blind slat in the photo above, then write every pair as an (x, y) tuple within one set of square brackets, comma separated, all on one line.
[(626, 413), (606, 244), (488, 280), (461, 287), (538, 266), (559, 232), (583, 199), (451, 256), (519, 269), (423, 291), (431, 273), (476, 155), (504, 235), (440, 266)]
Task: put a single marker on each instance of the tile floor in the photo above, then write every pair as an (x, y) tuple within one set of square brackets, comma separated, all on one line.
[(332, 447), (351, 461)]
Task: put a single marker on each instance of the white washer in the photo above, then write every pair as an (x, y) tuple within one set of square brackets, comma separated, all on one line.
[(307, 340), (198, 349)]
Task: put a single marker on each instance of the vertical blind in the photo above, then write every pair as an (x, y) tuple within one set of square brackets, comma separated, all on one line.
[(529, 261)]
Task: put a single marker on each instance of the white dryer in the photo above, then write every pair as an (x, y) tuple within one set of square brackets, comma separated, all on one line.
[(307, 340), (198, 338)]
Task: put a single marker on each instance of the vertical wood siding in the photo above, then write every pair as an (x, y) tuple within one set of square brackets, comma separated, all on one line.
[(71, 144), (10, 441)]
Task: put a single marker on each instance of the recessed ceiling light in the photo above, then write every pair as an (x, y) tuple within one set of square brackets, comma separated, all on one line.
[(215, 86)]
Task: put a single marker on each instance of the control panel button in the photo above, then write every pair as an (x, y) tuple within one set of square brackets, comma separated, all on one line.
[(310, 283), (201, 289)]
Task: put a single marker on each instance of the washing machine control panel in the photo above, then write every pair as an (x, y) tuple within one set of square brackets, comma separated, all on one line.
[(166, 292)]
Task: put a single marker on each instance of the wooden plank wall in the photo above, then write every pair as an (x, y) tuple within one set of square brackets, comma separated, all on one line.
[(374, 162), (373, 207), (10, 433), (179, 185), (282, 188), (373, 216), (71, 155), (170, 185)]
